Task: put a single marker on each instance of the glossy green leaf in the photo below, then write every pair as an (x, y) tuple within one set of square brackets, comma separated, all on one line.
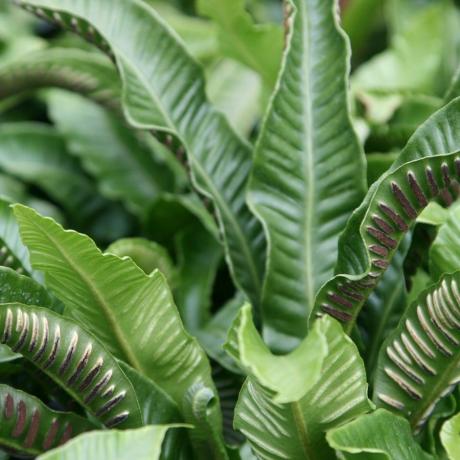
[(123, 166), (379, 435), (129, 311), (148, 255), (86, 73), (335, 392), (450, 437), (433, 214), (257, 46), (36, 153), (444, 257), (30, 427), (308, 173), (74, 359), (157, 94), (142, 444), (419, 362), (425, 167)]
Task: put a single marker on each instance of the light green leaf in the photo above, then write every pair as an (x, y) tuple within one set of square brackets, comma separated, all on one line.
[(236, 91), (450, 437), (433, 214), (74, 359), (123, 166), (419, 362), (141, 444), (83, 72), (289, 377), (157, 94), (337, 392), (129, 311), (379, 435), (257, 46), (444, 256), (148, 255), (308, 172), (30, 427), (425, 167)]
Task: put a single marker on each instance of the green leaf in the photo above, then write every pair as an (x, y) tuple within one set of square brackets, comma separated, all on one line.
[(142, 444), (157, 94), (156, 406), (148, 255), (444, 257), (450, 437), (433, 214), (129, 311), (379, 435), (335, 393), (74, 359), (289, 377), (419, 362), (236, 91), (36, 153), (423, 170), (123, 166), (199, 256), (83, 72), (308, 175), (30, 427), (257, 46)]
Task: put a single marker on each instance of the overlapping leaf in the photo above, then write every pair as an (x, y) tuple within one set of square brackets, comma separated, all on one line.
[(288, 403), (129, 311), (450, 437), (163, 87), (308, 172)]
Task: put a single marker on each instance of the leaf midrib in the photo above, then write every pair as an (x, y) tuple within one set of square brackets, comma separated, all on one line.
[(302, 431), (100, 300)]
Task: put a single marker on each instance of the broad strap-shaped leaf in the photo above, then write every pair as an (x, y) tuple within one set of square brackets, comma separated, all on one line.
[(308, 172), (259, 47), (83, 72), (422, 172), (30, 427), (142, 444), (130, 312), (450, 437), (379, 435), (164, 87), (36, 153), (76, 360), (444, 257), (122, 164), (419, 362), (336, 393)]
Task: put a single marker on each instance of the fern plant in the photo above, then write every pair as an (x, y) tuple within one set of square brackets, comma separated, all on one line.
[(235, 284)]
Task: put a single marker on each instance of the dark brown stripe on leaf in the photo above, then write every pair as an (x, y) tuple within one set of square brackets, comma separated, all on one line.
[(394, 216), (382, 238), (99, 386), (434, 189), (384, 226), (21, 419), (403, 200), (44, 341), (8, 326), (33, 429), (91, 375), (117, 419), (379, 250), (70, 351), (81, 365), (348, 291), (51, 435), (9, 406), (337, 314), (380, 263), (416, 189), (54, 350), (109, 405), (34, 336), (339, 300), (67, 434), (22, 337), (445, 174)]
